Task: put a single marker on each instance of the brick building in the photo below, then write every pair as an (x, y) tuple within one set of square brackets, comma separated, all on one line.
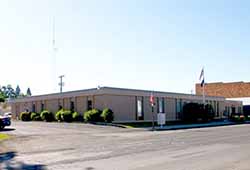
[(128, 105), (232, 90)]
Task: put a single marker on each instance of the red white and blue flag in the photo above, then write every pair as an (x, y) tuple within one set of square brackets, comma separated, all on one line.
[(151, 99), (202, 79)]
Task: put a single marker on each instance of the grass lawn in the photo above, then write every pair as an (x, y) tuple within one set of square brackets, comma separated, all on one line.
[(3, 136)]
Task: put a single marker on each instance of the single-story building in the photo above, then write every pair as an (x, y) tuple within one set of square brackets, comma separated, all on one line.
[(128, 105)]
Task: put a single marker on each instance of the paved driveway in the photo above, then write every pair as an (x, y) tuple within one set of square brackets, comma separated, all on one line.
[(40, 145)]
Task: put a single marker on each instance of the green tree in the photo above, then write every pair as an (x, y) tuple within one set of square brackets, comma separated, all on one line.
[(18, 91), (28, 93), (10, 92), (2, 97)]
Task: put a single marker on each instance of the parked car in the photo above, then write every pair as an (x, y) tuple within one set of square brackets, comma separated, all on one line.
[(246, 111), (4, 121), (8, 114), (247, 116), (238, 117)]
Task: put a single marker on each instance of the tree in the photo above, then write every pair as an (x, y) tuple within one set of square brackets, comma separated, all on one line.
[(2, 98), (10, 92), (18, 91), (4, 90), (28, 92)]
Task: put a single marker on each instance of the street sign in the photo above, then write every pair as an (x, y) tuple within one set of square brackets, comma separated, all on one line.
[(161, 119)]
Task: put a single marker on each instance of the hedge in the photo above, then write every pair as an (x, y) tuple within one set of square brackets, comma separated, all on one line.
[(193, 112), (93, 115), (47, 116), (107, 115), (35, 116), (66, 116), (58, 115), (76, 116), (25, 116)]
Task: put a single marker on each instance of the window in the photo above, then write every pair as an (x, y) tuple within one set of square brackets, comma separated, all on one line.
[(140, 109), (161, 105), (72, 106), (239, 110), (60, 107), (89, 105), (228, 110), (214, 108), (42, 107), (33, 107), (178, 108), (218, 109)]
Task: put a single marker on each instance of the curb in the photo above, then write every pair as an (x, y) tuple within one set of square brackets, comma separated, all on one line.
[(198, 126), (108, 124)]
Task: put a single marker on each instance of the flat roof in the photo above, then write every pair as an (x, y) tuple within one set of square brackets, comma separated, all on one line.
[(232, 82), (116, 91)]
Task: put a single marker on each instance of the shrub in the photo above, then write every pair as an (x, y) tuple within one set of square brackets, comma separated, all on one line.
[(93, 115), (76, 116), (193, 112), (209, 112), (66, 116), (107, 115), (35, 116), (58, 115), (25, 116), (46, 116)]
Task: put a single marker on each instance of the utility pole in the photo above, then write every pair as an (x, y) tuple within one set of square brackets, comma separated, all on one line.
[(61, 84)]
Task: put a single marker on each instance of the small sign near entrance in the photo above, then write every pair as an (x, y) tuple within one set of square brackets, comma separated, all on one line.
[(161, 119)]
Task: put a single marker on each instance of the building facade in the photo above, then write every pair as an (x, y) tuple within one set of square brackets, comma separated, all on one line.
[(232, 91), (128, 105)]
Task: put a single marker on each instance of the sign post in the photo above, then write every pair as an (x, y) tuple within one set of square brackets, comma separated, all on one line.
[(161, 119)]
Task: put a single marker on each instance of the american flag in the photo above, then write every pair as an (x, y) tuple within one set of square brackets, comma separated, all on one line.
[(202, 79), (151, 99)]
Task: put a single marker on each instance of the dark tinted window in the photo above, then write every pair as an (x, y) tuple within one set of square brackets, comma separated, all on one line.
[(89, 106), (72, 106)]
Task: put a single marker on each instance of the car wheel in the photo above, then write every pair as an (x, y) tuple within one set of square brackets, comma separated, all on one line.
[(1, 127)]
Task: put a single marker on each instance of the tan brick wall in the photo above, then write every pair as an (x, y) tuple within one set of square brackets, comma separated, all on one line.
[(227, 90), (66, 103), (170, 109), (52, 105), (38, 106), (123, 107), (81, 105), (99, 102), (60, 102)]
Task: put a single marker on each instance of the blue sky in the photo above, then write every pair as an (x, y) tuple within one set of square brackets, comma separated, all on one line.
[(142, 44)]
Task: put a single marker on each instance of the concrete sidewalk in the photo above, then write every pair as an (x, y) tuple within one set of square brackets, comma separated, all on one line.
[(200, 125)]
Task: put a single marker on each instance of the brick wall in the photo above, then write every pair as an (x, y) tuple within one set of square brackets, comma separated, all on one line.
[(227, 90)]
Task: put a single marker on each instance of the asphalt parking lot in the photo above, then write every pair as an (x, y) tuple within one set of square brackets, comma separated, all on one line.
[(56, 146)]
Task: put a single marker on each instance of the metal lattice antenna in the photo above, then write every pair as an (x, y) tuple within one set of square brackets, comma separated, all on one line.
[(54, 35), (54, 54)]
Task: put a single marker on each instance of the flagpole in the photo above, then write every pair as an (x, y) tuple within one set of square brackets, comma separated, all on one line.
[(203, 93), (152, 107), (203, 88)]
